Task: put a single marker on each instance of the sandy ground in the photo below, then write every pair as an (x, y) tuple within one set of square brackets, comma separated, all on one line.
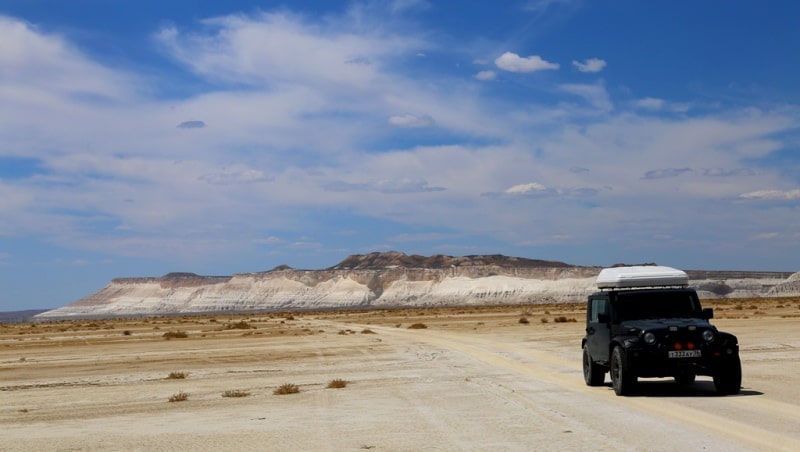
[(474, 379)]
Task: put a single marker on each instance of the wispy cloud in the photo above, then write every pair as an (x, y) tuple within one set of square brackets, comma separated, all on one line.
[(411, 121), (591, 65), (772, 195)]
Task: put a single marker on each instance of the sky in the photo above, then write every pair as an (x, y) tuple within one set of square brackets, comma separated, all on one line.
[(142, 138)]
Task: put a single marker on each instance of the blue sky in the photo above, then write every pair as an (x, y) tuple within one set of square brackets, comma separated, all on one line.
[(140, 138)]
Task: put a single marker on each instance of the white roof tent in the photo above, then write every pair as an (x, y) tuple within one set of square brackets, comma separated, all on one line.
[(641, 276)]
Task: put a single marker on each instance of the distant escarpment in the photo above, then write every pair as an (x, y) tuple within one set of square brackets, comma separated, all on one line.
[(382, 280)]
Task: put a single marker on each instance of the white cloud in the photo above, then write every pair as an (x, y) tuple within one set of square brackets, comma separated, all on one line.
[(650, 103), (595, 95), (591, 65), (772, 195), (526, 188), (44, 67), (486, 75), (281, 48), (410, 121), (514, 63)]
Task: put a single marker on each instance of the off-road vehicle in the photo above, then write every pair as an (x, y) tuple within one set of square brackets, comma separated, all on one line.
[(645, 322)]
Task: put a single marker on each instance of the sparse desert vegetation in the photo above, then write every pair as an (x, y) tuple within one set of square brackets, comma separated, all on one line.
[(286, 388), (76, 375), (175, 335), (235, 393), (337, 383), (179, 397)]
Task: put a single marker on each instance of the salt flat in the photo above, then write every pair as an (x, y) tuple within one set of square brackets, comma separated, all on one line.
[(473, 379)]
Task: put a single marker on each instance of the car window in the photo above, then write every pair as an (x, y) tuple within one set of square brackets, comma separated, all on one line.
[(654, 305), (598, 306)]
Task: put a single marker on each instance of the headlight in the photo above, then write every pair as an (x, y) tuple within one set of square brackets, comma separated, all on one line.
[(650, 338), (708, 335)]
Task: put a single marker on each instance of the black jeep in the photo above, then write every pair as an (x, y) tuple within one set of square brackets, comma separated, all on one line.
[(656, 332)]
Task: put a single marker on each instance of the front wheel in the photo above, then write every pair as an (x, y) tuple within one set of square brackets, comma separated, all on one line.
[(593, 374), (728, 377), (623, 378)]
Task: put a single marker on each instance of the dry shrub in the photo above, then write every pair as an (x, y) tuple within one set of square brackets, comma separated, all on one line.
[(545, 320), (126, 333), (241, 325), (367, 331), (524, 320), (337, 383), (286, 388), (235, 393), (179, 397), (418, 326), (175, 335), (177, 375)]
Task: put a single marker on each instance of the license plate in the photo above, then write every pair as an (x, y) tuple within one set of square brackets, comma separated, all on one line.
[(684, 353)]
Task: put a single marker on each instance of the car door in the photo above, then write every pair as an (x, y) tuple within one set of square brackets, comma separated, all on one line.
[(598, 328)]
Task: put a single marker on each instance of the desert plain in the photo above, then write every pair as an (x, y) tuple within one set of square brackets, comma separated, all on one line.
[(458, 378)]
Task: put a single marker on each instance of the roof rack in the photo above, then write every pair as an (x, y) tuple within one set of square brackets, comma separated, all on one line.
[(641, 276)]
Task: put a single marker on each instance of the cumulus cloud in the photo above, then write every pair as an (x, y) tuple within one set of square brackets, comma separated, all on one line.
[(486, 75), (772, 195), (512, 62), (591, 65), (411, 121)]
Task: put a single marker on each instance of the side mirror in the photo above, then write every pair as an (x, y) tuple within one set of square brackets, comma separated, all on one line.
[(602, 318), (708, 313)]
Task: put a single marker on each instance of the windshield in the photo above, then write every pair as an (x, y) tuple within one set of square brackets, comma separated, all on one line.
[(637, 305)]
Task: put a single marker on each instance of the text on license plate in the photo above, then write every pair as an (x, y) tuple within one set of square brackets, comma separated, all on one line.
[(684, 353)]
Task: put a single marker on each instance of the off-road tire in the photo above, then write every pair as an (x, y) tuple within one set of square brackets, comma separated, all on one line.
[(623, 378), (728, 377), (593, 374)]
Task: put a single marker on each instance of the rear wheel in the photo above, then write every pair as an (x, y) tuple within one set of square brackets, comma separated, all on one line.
[(728, 377), (623, 379), (593, 374)]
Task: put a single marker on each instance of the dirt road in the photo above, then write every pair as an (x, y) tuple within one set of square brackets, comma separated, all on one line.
[(471, 380)]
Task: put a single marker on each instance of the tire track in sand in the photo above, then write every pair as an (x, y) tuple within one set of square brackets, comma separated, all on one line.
[(555, 370)]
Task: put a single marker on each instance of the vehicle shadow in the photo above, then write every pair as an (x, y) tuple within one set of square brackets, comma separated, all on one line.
[(668, 388)]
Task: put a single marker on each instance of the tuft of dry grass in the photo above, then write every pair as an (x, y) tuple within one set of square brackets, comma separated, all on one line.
[(235, 393), (545, 320), (175, 335), (367, 331), (524, 320), (564, 319), (241, 325), (418, 326), (177, 375), (337, 383), (286, 388), (179, 397)]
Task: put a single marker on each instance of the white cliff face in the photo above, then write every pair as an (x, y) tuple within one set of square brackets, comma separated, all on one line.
[(387, 287)]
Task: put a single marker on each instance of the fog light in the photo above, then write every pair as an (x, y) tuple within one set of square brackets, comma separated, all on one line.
[(708, 336)]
